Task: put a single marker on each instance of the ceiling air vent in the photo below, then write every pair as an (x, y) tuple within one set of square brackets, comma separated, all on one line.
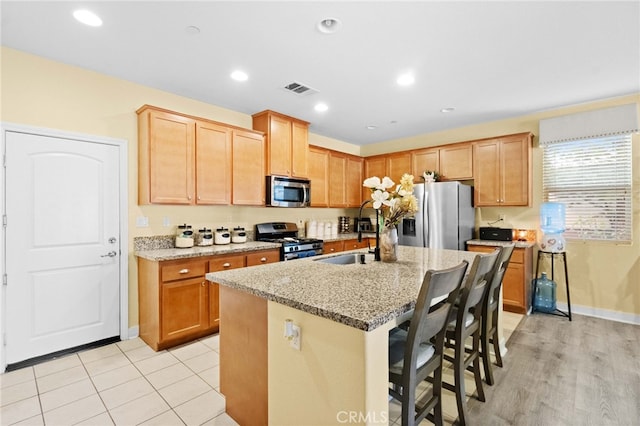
[(300, 89)]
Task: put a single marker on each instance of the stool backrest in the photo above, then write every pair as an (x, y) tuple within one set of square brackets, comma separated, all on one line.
[(476, 285), (498, 274)]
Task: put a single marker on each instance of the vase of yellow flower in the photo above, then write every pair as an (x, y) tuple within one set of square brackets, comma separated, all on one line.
[(393, 205)]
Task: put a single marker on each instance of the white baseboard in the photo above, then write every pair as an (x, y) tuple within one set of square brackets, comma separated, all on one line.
[(601, 313), (134, 332)]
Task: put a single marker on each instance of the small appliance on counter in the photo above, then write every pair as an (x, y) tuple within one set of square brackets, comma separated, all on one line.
[(238, 235), (496, 234), (205, 237), (222, 236), (344, 224), (363, 224), (184, 236)]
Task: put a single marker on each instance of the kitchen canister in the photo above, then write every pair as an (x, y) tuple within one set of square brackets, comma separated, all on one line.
[(238, 235), (222, 236), (184, 236), (205, 237)]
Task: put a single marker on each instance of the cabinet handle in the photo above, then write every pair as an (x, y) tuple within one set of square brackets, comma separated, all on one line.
[(203, 283), (264, 259), (184, 271), (189, 197), (332, 249), (226, 265)]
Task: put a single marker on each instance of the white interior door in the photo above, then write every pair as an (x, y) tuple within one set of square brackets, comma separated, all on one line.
[(62, 248)]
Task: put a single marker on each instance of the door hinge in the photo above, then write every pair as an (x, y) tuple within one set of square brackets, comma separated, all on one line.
[(4, 339), (4, 220), (4, 279)]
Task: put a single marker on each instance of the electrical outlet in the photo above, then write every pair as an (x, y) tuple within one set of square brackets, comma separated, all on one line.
[(166, 221), (297, 336), (142, 222), (502, 217)]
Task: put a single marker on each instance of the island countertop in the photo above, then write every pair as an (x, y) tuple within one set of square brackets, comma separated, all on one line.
[(360, 296)]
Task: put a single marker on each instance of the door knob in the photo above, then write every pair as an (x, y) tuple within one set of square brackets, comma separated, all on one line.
[(110, 254)]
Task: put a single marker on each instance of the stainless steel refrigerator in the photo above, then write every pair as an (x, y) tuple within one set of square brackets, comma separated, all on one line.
[(445, 217)]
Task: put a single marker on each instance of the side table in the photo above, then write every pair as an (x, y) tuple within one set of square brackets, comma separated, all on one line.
[(553, 255)]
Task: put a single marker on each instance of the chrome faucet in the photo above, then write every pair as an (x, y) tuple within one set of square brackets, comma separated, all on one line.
[(376, 251)]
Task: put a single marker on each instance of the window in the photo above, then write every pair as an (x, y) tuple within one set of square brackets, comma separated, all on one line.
[(592, 177)]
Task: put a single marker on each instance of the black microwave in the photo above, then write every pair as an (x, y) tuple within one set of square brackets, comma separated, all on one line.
[(283, 191)]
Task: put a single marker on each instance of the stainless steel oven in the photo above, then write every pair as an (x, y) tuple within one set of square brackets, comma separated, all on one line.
[(286, 234)]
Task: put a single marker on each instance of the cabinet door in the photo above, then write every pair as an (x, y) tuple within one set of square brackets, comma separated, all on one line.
[(220, 263), (171, 173), (248, 168), (353, 182), (263, 257), (213, 164), (184, 308), (299, 149), (337, 179), (354, 244), (319, 176), (515, 171), (513, 289), (333, 247), (487, 173), (423, 160), (373, 166), (279, 146), (397, 165), (456, 162)]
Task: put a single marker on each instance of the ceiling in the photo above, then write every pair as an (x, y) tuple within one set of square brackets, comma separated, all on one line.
[(489, 60)]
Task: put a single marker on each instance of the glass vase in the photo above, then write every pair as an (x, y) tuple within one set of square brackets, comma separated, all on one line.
[(389, 244)]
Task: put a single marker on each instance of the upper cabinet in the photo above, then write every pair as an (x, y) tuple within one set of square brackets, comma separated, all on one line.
[(503, 171), (287, 143), (319, 176), (423, 160), (456, 161), (354, 179), (189, 160), (248, 168), (398, 164)]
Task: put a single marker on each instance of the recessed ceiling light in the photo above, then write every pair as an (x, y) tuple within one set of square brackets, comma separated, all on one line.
[(87, 17), (372, 127), (238, 75), (321, 107), (406, 79), (448, 109), (192, 30), (329, 25)]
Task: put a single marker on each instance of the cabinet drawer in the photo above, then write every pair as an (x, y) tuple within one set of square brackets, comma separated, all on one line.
[(183, 270), (333, 247), (263, 257), (354, 244), (223, 263)]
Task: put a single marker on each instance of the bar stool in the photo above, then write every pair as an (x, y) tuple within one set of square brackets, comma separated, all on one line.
[(554, 255)]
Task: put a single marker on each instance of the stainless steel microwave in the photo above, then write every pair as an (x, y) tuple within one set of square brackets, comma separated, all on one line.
[(283, 191)]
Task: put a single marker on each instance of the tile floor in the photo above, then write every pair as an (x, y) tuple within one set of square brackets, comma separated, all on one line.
[(127, 383)]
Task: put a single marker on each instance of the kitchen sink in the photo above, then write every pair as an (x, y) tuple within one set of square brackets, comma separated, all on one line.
[(346, 259)]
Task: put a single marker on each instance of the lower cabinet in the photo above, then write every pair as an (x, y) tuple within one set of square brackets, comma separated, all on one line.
[(177, 304), (516, 284), (344, 245)]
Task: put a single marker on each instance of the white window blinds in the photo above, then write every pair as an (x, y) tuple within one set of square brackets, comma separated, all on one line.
[(592, 177)]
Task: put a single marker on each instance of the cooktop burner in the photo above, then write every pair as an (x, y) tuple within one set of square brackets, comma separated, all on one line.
[(286, 233)]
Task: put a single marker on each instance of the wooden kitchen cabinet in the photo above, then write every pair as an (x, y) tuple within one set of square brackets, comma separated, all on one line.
[(373, 166), (354, 244), (423, 160), (398, 164), (319, 176), (353, 180), (248, 187), (516, 283), (456, 161), (287, 143), (337, 179), (189, 160), (177, 304), (503, 171), (333, 247)]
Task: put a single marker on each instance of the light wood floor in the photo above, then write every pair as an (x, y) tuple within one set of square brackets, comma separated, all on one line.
[(584, 372)]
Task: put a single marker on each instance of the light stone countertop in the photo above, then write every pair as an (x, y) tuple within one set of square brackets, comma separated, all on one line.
[(361, 296), (185, 253), (519, 244)]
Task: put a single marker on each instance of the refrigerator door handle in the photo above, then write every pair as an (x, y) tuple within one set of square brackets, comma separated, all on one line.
[(425, 218)]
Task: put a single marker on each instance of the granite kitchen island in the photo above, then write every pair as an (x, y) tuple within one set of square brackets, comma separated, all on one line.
[(344, 312)]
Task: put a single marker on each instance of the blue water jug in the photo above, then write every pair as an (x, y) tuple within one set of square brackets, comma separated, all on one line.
[(545, 296)]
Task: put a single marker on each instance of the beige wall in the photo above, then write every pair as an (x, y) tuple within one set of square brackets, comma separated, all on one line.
[(38, 92)]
